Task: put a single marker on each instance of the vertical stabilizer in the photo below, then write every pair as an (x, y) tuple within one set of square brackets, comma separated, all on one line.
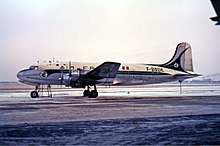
[(186, 59), (182, 58)]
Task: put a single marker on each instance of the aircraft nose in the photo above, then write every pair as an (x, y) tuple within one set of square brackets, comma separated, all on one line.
[(19, 74)]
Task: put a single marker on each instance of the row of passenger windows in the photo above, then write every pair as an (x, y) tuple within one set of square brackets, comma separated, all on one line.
[(88, 67), (65, 66), (125, 67), (83, 68)]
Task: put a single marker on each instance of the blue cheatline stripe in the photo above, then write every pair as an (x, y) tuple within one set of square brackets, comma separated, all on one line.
[(141, 73), (52, 71)]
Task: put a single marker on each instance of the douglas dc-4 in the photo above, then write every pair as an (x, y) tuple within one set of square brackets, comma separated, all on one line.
[(88, 75)]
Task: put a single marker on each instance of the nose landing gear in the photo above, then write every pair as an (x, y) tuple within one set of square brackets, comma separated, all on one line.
[(35, 93)]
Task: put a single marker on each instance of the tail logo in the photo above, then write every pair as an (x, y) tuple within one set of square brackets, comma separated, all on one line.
[(182, 58), (176, 65), (43, 74)]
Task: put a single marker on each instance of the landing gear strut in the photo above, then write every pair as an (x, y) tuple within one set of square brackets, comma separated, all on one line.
[(92, 93), (34, 94), (180, 81)]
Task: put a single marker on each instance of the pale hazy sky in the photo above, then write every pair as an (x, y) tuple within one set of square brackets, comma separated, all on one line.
[(127, 31)]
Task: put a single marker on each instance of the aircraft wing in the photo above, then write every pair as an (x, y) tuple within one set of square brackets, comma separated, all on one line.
[(104, 73), (216, 5)]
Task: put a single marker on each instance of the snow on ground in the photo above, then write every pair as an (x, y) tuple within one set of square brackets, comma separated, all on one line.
[(137, 115)]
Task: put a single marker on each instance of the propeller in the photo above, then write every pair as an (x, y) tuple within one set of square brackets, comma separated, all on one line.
[(70, 74), (61, 78), (65, 78)]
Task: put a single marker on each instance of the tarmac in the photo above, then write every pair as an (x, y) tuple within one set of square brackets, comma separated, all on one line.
[(110, 120)]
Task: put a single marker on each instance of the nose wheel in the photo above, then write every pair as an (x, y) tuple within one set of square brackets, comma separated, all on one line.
[(34, 94), (90, 93), (38, 89)]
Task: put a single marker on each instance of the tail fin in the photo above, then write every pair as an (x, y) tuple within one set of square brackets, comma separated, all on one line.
[(182, 58)]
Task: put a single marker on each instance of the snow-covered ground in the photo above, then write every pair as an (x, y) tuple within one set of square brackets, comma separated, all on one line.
[(137, 115), (201, 85), (160, 90)]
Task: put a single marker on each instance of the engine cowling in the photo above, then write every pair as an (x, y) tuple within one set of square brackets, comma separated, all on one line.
[(72, 80)]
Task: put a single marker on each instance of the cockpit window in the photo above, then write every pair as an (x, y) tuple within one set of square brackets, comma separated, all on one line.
[(33, 68)]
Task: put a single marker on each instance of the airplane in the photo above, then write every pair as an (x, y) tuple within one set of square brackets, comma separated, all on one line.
[(88, 75), (216, 6)]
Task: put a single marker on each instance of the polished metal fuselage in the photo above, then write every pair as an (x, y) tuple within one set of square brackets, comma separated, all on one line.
[(128, 74)]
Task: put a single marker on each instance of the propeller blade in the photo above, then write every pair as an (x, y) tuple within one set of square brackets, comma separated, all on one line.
[(70, 71), (69, 68), (61, 79)]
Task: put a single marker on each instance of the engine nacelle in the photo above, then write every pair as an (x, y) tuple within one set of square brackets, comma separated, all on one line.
[(72, 79)]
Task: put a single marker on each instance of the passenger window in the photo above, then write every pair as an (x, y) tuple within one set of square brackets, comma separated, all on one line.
[(85, 67)]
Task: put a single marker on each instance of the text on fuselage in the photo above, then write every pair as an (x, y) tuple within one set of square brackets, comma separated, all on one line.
[(154, 69)]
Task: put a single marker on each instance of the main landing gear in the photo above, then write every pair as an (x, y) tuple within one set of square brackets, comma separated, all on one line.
[(90, 93), (38, 89)]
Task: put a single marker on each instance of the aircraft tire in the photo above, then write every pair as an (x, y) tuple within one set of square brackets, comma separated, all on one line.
[(34, 94), (93, 94), (86, 93)]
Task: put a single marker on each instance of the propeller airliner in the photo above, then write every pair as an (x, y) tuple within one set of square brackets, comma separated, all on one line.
[(88, 75)]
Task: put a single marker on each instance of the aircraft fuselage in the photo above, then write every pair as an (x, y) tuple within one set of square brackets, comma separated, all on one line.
[(128, 74)]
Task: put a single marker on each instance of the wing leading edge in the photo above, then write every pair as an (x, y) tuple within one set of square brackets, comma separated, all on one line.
[(104, 73)]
